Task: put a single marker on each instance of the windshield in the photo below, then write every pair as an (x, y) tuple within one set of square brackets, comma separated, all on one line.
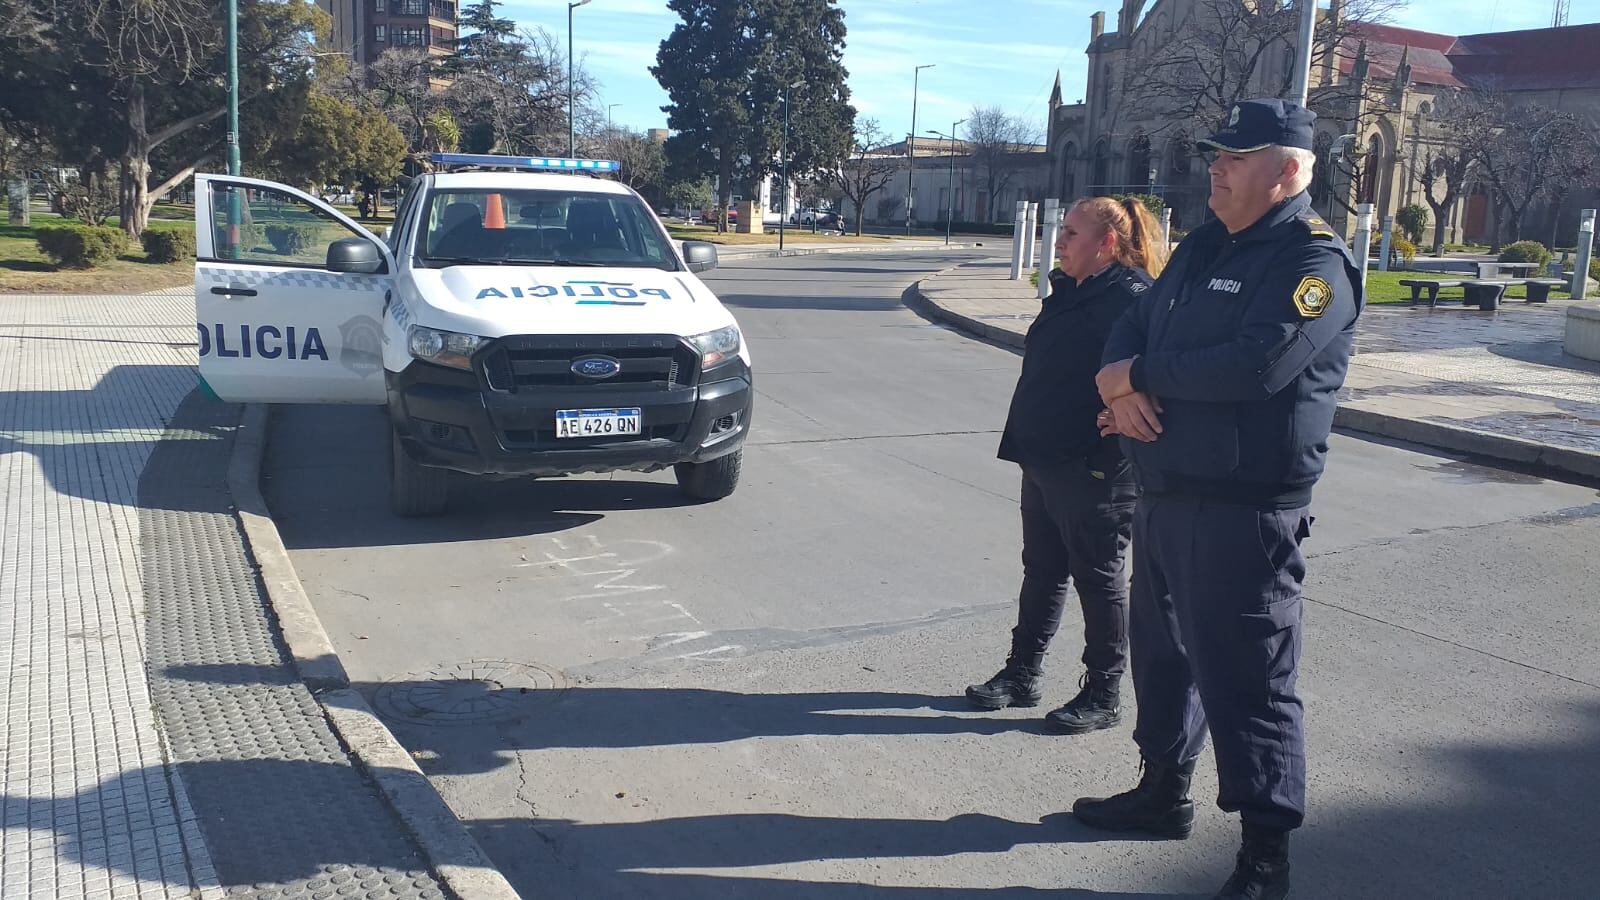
[(541, 227)]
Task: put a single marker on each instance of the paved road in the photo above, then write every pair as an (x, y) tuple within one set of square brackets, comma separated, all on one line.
[(757, 692)]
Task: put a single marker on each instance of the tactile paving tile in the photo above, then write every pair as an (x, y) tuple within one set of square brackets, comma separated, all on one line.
[(284, 812)]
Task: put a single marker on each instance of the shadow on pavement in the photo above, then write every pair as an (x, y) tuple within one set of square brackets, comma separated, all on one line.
[(330, 492), (613, 854), (92, 444), (1481, 819), (107, 826)]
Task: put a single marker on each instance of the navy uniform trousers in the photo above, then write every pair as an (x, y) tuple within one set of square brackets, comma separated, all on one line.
[(1215, 638)]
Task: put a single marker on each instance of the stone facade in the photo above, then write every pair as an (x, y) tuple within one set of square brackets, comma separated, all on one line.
[(948, 180), (1376, 95)]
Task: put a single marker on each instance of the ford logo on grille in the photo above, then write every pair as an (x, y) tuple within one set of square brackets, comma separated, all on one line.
[(596, 367)]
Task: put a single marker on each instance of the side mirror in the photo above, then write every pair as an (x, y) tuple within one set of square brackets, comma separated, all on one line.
[(354, 255), (700, 255)]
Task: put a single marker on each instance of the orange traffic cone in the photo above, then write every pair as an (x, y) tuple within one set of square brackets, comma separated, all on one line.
[(494, 214)]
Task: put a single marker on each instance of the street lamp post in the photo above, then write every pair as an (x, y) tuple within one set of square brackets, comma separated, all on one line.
[(572, 131), (950, 189), (783, 153), (609, 108), (911, 147)]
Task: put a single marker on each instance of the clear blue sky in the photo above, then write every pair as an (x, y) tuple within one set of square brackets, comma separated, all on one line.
[(1001, 52)]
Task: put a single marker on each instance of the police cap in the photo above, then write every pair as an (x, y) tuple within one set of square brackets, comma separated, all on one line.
[(1258, 124)]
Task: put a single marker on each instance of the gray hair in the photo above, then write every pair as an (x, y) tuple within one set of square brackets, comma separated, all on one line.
[(1308, 163)]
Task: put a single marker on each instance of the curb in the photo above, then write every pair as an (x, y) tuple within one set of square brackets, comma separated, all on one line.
[(1450, 438), (457, 859), (1457, 439), (733, 254), (928, 309)]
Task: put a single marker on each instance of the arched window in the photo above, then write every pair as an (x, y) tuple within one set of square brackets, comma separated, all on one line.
[(1101, 174), (1105, 88), (1069, 178), (1139, 160), (1369, 170), (1321, 184)]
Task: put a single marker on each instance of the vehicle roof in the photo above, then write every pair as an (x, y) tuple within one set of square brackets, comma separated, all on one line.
[(533, 181)]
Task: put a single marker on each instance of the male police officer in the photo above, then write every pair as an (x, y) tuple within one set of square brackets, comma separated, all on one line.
[(1223, 377)]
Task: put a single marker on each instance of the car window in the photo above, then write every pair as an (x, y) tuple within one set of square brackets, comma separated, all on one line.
[(541, 227), (402, 217), (270, 227)]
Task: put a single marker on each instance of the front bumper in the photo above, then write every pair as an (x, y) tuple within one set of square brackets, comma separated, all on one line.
[(449, 419)]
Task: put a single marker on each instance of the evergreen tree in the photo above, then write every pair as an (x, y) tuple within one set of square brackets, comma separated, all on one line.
[(726, 68)]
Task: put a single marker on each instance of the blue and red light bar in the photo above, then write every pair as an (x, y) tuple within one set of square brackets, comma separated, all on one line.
[(539, 163)]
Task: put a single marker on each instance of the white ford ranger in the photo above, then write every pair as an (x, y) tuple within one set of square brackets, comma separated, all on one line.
[(524, 319)]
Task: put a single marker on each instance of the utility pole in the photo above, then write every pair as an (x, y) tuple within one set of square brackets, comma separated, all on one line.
[(911, 147), (950, 188), (233, 87), (1302, 61), (572, 133)]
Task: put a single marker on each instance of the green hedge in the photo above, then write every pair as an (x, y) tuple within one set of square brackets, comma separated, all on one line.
[(292, 240), (80, 246), (1526, 252), (168, 246)]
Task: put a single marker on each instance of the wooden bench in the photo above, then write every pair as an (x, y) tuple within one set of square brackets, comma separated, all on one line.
[(1432, 286)]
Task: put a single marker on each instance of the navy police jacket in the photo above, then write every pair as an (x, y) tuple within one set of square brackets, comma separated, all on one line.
[(1244, 339), (1055, 404)]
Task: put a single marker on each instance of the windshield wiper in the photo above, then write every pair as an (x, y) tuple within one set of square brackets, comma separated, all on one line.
[(579, 262), (461, 261)]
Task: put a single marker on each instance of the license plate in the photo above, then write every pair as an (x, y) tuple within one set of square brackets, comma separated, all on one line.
[(581, 423)]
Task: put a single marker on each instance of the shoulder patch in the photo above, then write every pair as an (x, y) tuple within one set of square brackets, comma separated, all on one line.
[(1137, 287), (1312, 296)]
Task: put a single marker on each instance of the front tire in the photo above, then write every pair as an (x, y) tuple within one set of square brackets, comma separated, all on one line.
[(712, 480), (414, 489)]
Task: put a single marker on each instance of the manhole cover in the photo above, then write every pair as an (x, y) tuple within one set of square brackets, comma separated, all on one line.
[(476, 692)]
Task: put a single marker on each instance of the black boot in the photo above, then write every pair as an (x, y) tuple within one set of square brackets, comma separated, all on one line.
[(1262, 870), (1098, 705), (1160, 804), (1011, 686)]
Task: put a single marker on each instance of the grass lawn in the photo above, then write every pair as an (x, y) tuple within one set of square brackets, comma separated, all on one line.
[(796, 233), (1385, 287), (24, 270)]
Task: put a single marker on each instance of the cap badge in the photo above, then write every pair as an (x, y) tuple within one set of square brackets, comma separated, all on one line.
[(1233, 118)]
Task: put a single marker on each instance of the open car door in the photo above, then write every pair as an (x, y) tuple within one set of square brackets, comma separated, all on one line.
[(289, 296)]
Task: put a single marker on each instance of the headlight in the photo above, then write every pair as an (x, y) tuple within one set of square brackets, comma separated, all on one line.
[(444, 348), (717, 347)]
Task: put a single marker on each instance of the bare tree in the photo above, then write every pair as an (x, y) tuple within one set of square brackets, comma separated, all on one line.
[(519, 94), (999, 141), (1464, 123), (1535, 152), (864, 172), (642, 161), (1227, 51)]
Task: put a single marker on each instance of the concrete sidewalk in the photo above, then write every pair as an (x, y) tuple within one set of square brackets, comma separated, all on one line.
[(159, 742), (1494, 384)]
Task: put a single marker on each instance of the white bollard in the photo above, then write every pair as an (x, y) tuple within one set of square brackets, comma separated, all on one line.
[(1016, 239), (1383, 246), (1363, 238), (1166, 228), (1030, 227), (1580, 268), (1047, 244)]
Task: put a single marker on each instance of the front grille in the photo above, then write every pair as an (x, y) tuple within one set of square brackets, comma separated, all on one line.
[(660, 362)]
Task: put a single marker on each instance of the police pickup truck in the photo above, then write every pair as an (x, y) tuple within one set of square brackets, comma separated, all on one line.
[(523, 317)]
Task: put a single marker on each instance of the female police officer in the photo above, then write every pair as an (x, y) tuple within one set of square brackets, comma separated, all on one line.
[(1077, 490)]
